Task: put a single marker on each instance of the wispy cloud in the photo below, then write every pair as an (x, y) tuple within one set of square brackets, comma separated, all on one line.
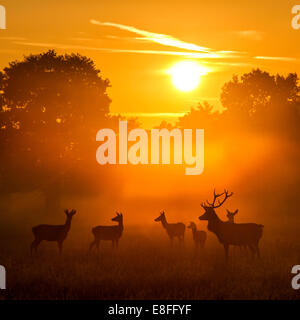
[(163, 39), (193, 50), (275, 58), (187, 49), (12, 38), (110, 50), (250, 34)]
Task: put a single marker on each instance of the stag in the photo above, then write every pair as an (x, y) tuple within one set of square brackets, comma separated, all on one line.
[(52, 233), (110, 233), (236, 234), (173, 229)]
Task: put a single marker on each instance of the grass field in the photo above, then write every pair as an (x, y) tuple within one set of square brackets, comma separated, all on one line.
[(146, 267)]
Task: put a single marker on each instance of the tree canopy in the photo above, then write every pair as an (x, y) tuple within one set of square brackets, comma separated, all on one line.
[(51, 108)]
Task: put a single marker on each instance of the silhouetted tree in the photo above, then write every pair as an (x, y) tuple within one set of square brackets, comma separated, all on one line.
[(266, 100), (51, 108), (202, 116)]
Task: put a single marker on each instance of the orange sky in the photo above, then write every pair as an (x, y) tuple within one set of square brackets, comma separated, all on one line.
[(134, 42)]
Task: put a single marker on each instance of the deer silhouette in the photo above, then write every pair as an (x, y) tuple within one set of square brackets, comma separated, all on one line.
[(111, 233), (52, 233), (230, 215), (237, 234), (173, 229), (199, 236)]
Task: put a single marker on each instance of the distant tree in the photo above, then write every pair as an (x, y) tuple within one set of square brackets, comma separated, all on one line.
[(51, 108), (202, 116), (262, 98), (165, 125)]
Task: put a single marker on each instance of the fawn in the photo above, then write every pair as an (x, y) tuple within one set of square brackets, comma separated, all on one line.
[(230, 215), (52, 233), (112, 233), (237, 234), (199, 236), (173, 229)]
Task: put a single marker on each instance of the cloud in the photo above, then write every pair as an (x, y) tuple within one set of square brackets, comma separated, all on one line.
[(155, 37), (193, 50), (289, 59), (250, 34), (12, 38), (187, 50), (109, 50)]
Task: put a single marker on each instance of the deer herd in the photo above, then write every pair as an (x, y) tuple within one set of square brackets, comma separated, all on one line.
[(246, 235)]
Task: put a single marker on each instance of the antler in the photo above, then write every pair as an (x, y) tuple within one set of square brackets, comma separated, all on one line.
[(227, 195)]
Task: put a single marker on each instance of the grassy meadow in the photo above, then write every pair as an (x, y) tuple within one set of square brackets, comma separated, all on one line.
[(146, 267)]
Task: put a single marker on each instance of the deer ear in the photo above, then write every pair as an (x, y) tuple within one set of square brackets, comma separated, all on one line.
[(73, 211), (236, 211), (66, 211), (227, 211)]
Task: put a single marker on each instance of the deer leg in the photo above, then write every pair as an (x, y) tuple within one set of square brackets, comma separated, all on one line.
[(253, 250), (37, 244), (97, 245), (257, 250), (113, 243), (197, 246), (247, 249), (226, 248), (171, 239), (182, 239), (92, 245), (34, 245), (117, 243), (59, 243)]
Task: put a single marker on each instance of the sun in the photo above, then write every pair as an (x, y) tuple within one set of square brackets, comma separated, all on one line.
[(186, 75)]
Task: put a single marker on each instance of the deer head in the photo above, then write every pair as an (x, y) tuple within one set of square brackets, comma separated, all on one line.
[(192, 225), (210, 207), (161, 217), (70, 214), (230, 215), (118, 217)]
